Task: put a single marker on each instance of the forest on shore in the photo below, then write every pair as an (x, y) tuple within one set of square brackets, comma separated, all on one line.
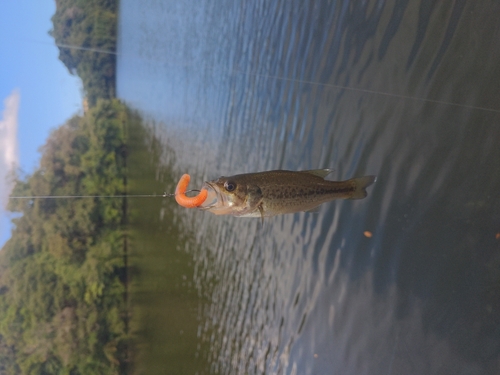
[(85, 33), (63, 272)]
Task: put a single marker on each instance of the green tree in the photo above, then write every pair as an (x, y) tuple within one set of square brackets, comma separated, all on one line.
[(62, 285), (85, 33)]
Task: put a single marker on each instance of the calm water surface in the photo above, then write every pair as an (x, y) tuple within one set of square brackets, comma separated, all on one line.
[(407, 90)]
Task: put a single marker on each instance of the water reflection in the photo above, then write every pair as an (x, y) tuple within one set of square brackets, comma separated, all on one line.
[(394, 90)]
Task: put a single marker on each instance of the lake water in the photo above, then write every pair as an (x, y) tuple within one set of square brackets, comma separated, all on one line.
[(407, 90)]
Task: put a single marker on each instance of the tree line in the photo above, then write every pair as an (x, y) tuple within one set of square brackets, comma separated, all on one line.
[(85, 33), (62, 272)]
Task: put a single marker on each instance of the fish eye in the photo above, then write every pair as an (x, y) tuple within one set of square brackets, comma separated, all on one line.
[(229, 185)]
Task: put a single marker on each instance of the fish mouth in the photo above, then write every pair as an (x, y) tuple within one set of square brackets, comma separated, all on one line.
[(214, 197)]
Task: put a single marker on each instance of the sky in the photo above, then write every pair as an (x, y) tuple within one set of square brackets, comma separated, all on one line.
[(37, 93)]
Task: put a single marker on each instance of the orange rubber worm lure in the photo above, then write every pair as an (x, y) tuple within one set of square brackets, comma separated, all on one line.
[(188, 202)]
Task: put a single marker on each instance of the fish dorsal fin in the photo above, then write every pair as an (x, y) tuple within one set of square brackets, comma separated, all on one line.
[(319, 172)]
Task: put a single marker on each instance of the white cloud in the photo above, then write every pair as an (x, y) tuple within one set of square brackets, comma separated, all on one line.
[(9, 157)]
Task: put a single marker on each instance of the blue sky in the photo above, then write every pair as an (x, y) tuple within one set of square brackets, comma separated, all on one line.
[(37, 93)]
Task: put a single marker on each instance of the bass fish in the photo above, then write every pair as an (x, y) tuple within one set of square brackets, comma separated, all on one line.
[(271, 193)]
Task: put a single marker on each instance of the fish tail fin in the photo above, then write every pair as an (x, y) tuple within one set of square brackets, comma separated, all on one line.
[(361, 184)]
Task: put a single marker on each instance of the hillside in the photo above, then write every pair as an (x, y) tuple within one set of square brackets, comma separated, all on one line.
[(63, 272), (85, 33)]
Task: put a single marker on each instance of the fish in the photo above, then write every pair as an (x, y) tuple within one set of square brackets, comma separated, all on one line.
[(271, 193)]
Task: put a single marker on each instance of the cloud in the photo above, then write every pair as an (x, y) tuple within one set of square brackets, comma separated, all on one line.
[(9, 156)]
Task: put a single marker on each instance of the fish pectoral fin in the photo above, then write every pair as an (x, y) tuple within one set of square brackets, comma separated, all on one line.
[(314, 210), (261, 210), (319, 172)]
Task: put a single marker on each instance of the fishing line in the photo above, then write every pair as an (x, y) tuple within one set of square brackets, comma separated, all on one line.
[(68, 46), (339, 87), (164, 195), (367, 91)]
